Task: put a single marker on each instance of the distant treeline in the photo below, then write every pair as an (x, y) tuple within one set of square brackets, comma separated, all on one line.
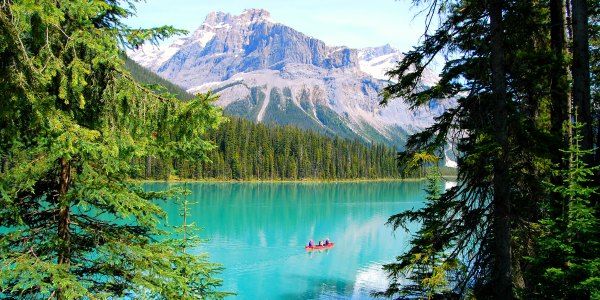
[(248, 151)]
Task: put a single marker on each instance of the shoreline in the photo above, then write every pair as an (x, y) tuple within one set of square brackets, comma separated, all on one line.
[(356, 180)]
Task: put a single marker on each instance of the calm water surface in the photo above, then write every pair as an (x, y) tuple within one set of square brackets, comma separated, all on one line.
[(257, 231)]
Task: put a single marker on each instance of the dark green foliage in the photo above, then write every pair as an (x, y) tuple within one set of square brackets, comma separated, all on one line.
[(332, 121), (567, 264), (465, 214), (159, 84), (508, 128), (429, 272), (248, 151), (72, 120)]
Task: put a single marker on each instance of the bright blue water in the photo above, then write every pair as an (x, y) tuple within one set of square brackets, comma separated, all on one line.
[(257, 231)]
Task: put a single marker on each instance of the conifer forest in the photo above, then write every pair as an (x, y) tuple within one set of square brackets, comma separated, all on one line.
[(248, 151)]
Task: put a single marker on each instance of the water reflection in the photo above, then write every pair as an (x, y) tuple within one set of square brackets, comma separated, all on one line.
[(258, 232), (368, 279), (449, 184)]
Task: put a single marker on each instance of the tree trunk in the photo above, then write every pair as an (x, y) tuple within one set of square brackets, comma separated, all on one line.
[(185, 213), (64, 216), (501, 200), (64, 210), (559, 91), (581, 72), (559, 87), (148, 166), (4, 163)]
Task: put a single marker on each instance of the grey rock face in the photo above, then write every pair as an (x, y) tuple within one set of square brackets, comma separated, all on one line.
[(269, 72)]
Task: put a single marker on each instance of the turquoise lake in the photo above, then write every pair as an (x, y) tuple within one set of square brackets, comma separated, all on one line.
[(258, 231)]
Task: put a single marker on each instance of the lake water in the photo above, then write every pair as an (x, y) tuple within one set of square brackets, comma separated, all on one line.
[(257, 231)]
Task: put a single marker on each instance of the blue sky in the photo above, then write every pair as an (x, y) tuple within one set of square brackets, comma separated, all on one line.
[(353, 23)]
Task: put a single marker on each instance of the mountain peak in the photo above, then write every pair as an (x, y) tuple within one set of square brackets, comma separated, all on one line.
[(254, 15), (268, 72), (248, 16), (374, 52), (216, 17)]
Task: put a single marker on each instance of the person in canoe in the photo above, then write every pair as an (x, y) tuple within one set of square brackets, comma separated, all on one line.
[(321, 245), (311, 243)]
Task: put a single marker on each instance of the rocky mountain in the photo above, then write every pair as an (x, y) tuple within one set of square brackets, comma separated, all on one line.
[(268, 72)]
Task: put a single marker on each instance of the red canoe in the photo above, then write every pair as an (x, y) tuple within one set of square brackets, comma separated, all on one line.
[(317, 247)]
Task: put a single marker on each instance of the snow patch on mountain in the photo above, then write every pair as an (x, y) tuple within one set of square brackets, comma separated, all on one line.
[(153, 56), (378, 67), (377, 61)]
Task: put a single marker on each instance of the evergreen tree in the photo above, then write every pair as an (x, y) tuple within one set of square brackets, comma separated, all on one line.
[(189, 237), (502, 264), (72, 121), (507, 131), (566, 264), (430, 274)]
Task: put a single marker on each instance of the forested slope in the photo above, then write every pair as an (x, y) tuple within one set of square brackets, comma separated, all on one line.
[(141, 74), (248, 151)]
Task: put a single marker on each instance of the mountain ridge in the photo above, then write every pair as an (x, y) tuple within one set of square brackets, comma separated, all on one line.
[(266, 71)]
